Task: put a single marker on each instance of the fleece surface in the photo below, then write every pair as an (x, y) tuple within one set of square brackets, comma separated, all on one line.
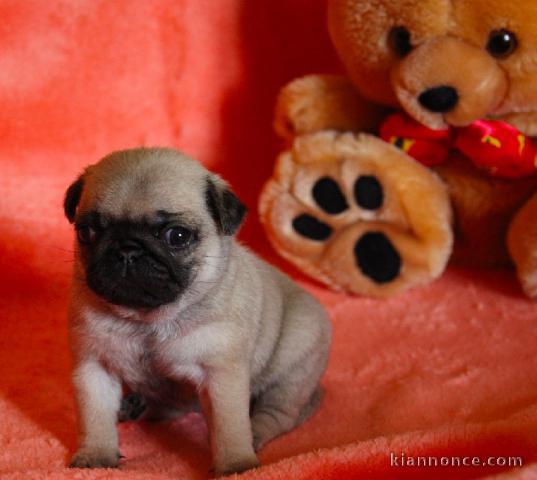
[(450, 369)]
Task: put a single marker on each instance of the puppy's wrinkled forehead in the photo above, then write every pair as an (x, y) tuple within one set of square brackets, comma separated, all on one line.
[(137, 183)]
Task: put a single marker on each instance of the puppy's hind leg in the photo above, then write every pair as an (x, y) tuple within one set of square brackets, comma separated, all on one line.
[(311, 407), (290, 390), (282, 407), (132, 407)]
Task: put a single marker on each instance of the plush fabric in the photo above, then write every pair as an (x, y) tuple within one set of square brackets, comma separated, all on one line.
[(449, 369), (445, 65), (339, 227)]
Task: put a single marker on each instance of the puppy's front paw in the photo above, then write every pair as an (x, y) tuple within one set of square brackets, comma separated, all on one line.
[(237, 466), (95, 458)]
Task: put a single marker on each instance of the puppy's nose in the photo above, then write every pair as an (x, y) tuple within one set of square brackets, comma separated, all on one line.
[(129, 251), (439, 99)]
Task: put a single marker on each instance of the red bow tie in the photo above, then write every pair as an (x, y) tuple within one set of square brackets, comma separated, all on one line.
[(492, 145)]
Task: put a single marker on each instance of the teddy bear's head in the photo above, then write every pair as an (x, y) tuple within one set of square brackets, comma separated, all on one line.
[(442, 61)]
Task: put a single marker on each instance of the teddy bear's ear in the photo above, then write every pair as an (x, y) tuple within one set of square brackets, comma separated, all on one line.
[(224, 206), (72, 198)]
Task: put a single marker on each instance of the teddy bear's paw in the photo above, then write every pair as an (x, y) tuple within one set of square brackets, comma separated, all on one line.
[(357, 214), (521, 242), (321, 102)]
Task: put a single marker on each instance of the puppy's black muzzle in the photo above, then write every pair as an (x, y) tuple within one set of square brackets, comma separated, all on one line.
[(131, 269), (129, 252)]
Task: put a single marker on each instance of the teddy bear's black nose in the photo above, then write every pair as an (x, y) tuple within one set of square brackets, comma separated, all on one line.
[(439, 99)]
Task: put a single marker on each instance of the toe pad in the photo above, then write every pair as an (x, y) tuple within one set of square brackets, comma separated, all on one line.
[(377, 258)]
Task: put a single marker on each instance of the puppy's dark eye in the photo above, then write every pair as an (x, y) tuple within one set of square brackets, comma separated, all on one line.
[(502, 43), (178, 237), (85, 234), (400, 41)]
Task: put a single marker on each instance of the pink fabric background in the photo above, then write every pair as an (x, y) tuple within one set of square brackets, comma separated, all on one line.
[(449, 369)]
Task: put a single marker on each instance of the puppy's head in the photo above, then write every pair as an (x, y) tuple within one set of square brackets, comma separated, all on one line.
[(151, 225)]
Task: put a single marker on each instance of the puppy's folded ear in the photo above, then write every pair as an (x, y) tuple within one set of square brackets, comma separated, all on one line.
[(72, 198), (226, 209)]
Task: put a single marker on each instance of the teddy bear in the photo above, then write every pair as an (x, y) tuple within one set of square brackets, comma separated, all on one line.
[(421, 154)]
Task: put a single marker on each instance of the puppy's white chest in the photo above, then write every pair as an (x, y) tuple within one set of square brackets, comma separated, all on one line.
[(123, 348), (142, 360), (190, 372)]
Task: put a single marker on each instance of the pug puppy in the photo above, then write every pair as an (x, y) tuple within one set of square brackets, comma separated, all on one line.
[(167, 304)]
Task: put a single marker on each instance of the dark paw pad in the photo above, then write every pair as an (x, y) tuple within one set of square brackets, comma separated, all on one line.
[(311, 228), (132, 407), (368, 192), (377, 258), (329, 196)]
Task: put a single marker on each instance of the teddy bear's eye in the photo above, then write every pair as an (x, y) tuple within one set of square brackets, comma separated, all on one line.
[(400, 41), (502, 43)]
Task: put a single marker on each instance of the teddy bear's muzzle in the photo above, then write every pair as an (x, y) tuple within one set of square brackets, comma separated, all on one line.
[(446, 81)]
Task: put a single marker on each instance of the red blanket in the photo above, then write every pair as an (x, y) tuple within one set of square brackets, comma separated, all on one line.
[(447, 370)]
